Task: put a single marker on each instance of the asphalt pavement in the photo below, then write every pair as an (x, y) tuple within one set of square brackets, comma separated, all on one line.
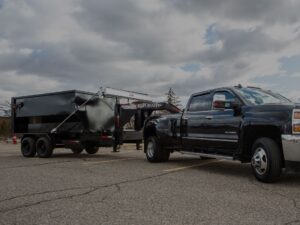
[(123, 188)]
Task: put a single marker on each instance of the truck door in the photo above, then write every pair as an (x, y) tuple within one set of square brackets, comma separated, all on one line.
[(193, 128), (222, 123)]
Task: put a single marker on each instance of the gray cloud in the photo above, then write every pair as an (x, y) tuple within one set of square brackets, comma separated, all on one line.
[(270, 11), (144, 32), (237, 43), (141, 45)]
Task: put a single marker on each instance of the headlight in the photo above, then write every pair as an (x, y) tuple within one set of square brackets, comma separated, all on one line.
[(296, 121), (297, 115), (296, 128)]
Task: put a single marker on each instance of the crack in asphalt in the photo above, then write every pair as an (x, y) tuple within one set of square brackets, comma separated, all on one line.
[(109, 195), (89, 159), (61, 190), (294, 201), (41, 193), (292, 222), (33, 165), (89, 191)]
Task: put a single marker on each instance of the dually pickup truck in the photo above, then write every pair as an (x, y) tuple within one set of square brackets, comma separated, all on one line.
[(247, 124)]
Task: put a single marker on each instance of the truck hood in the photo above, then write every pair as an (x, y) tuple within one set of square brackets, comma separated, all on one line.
[(297, 105)]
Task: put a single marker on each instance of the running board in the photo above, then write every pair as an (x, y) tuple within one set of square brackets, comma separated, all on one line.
[(207, 155)]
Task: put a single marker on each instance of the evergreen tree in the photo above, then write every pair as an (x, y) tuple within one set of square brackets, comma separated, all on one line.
[(172, 98)]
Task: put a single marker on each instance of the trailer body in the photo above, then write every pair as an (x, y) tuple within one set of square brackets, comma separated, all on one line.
[(36, 116)]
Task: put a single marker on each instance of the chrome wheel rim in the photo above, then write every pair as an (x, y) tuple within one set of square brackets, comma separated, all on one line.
[(150, 149), (260, 161)]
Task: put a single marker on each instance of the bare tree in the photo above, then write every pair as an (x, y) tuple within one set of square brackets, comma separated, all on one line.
[(172, 98), (5, 109)]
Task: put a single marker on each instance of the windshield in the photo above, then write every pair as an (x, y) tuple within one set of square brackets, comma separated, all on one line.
[(260, 97)]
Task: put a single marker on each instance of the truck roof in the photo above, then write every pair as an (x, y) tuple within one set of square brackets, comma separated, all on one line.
[(214, 89)]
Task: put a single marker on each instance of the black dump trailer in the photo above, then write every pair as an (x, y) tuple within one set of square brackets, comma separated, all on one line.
[(77, 120)]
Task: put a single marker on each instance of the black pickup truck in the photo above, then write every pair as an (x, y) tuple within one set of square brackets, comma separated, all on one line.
[(248, 124)]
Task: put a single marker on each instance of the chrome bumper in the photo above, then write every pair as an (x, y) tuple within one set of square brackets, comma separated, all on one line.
[(291, 147)]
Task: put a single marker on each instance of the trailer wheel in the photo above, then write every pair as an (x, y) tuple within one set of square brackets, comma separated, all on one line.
[(154, 152), (91, 150), (77, 150), (28, 147), (44, 147)]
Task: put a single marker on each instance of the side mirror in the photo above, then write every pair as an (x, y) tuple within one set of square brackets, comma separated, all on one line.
[(221, 105), (219, 102), (236, 106)]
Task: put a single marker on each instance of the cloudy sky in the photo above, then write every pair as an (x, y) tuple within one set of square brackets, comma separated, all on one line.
[(148, 46)]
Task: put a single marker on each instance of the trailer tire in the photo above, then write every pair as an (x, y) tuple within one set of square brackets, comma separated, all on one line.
[(28, 147), (266, 160), (154, 152), (91, 150), (44, 147)]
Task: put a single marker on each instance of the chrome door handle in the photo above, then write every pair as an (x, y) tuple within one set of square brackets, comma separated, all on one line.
[(209, 117)]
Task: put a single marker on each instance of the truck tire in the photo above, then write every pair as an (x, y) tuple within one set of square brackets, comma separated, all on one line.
[(266, 160), (44, 147), (91, 150), (28, 147), (154, 152)]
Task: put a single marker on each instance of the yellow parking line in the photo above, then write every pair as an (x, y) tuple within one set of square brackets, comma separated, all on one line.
[(191, 166), (6, 155), (106, 161)]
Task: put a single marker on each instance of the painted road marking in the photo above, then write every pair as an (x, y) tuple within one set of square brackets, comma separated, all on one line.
[(106, 161), (7, 155), (191, 166)]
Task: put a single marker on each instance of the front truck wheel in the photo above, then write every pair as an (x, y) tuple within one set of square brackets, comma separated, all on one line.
[(28, 147), (44, 147), (91, 150), (266, 160), (154, 152)]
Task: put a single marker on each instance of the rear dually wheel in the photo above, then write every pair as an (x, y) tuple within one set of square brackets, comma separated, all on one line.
[(154, 152)]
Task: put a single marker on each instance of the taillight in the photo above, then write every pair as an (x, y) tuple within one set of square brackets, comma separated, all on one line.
[(296, 128)]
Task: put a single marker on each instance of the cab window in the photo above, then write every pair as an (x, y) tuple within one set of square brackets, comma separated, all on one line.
[(200, 103)]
